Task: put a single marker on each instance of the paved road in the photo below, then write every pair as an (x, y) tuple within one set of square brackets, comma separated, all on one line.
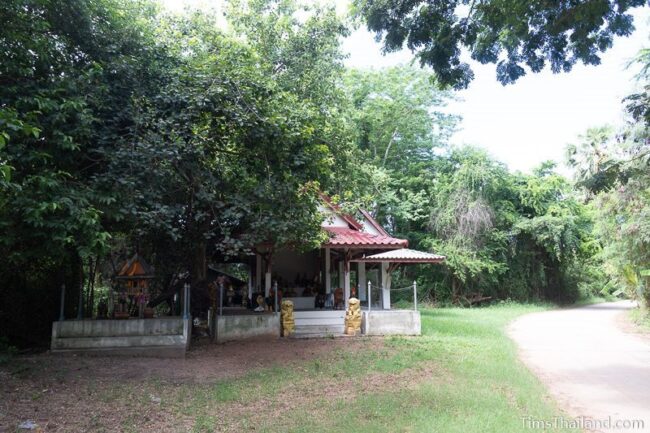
[(590, 364)]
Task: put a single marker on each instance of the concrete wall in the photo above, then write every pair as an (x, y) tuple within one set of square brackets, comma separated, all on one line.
[(231, 328), (167, 336), (391, 322)]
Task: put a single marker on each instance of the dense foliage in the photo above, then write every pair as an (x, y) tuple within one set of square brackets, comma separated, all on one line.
[(613, 170), (512, 34), (124, 129)]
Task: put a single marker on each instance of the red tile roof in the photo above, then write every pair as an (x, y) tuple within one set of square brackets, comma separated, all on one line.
[(347, 237)]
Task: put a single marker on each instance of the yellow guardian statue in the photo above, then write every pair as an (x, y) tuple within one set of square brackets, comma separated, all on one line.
[(353, 317), (288, 323)]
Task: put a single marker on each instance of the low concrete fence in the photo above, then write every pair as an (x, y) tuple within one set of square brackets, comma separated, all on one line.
[(165, 336), (391, 322), (239, 327)]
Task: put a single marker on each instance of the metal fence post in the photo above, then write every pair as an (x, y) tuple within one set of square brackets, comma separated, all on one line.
[(369, 297), (221, 299), (415, 295), (62, 310), (186, 309), (80, 313), (275, 295)]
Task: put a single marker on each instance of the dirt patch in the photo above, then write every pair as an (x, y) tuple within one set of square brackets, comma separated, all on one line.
[(204, 362), (316, 397), (80, 393)]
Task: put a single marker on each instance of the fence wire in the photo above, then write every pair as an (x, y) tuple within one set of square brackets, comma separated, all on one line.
[(402, 288)]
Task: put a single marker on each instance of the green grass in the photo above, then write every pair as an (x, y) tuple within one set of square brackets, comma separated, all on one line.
[(483, 389), (641, 318), (462, 375)]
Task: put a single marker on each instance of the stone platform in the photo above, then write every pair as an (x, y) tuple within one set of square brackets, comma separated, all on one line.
[(159, 337)]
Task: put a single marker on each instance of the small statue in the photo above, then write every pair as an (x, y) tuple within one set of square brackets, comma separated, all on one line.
[(353, 317), (339, 299), (230, 294), (261, 306), (288, 323), (141, 300)]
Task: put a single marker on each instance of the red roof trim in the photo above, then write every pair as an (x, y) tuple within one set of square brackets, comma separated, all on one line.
[(346, 217), (345, 237)]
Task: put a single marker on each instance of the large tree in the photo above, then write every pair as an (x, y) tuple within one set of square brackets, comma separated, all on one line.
[(123, 128), (515, 35), (400, 123), (69, 75)]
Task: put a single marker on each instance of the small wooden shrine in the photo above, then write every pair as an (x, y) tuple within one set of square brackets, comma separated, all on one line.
[(133, 281), (134, 276)]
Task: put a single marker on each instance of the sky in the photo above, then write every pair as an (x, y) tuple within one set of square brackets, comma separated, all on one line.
[(532, 120)]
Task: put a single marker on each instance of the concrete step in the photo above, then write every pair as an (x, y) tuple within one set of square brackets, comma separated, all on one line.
[(321, 330), (319, 314), (177, 351), (114, 342), (319, 324), (320, 321), (317, 335)]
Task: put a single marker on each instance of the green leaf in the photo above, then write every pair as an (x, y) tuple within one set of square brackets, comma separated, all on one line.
[(6, 172)]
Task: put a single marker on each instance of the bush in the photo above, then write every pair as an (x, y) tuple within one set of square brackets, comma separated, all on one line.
[(7, 351)]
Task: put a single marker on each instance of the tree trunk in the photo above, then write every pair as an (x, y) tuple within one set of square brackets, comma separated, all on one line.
[(79, 282), (454, 288), (92, 275), (199, 265)]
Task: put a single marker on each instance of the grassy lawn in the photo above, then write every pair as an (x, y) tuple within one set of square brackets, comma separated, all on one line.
[(470, 381), (462, 375)]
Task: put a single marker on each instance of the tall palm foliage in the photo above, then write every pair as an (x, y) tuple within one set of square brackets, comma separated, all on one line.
[(614, 169)]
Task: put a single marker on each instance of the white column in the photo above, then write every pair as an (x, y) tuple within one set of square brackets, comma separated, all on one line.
[(346, 283), (362, 285), (385, 286), (258, 272), (328, 277)]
